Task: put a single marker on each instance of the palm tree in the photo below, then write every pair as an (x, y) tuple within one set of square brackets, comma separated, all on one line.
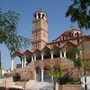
[(79, 12)]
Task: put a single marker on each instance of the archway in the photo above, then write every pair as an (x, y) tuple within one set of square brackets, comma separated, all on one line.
[(56, 53), (17, 62), (38, 56), (47, 55), (47, 77), (38, 74), (28, 59)]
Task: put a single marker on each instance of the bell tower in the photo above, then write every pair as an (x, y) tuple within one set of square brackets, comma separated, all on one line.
[(39, 30)]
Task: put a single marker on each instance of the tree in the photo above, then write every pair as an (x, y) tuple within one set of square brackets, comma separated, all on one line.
[(16, 77), (8, 31), (60, 74), (56, 72), (73, 54), (79, 11)]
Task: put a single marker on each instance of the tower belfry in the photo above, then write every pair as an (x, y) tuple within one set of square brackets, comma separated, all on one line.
[(40, 30)]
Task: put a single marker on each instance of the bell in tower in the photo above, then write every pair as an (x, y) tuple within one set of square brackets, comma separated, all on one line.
[(40, 30)]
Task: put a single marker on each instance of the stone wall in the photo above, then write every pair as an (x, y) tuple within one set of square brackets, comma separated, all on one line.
[(68, 87), (28, 71), (8, 81)]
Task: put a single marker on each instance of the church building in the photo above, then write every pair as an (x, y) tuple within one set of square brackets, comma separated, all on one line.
[(43, 54)]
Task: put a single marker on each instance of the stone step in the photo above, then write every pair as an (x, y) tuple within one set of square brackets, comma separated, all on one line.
[(33, 85)]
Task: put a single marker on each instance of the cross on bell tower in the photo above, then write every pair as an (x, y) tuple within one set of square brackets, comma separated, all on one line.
[(40, 30)]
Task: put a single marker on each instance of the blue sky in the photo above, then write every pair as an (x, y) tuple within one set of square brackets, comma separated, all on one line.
[(57, 22)]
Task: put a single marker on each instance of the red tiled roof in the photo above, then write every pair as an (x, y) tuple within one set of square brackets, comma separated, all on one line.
[(36, 51), (46, 48), (27, 52), (70, 30), (17, 53)]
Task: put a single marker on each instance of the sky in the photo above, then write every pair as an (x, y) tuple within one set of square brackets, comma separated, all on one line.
[(57, 22)]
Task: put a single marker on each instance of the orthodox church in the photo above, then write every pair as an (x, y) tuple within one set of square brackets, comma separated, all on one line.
[(43, 54)]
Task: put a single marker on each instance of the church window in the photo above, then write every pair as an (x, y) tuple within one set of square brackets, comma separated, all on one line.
[(72, 34), (62, 54), (63, 37), (35, 16), (78, 40), (39, 15), (58, 44), (43, 16), (77, 34)]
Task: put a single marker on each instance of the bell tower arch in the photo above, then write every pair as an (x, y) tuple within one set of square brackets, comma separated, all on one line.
[(39, 30)]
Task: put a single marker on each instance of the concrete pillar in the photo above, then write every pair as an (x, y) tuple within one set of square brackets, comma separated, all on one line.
[(35, 57), (76, 56), (40, 15), (42, 55), (57, 86), (25, 62), (22, 63), (32, 58), (44, 18), (36, 16), (12, 65), (51, 54), (52, 78), (64, 54), (42, 73), (60, 54)]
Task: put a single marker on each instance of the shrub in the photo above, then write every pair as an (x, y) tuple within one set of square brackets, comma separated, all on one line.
[(16, 77)]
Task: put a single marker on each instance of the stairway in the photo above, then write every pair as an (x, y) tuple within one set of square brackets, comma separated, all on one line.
[(34, 85)]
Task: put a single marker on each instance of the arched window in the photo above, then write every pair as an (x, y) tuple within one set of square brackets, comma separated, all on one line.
[(78, 40), (35, 16), (77, 34), (47, 77), (43, 16), (39, 15), (38, 74)]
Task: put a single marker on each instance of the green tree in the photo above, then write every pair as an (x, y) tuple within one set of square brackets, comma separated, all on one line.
[(73, 54), (60, 74), (8, 31), (56, 72), (16, 77), (79, 11)]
